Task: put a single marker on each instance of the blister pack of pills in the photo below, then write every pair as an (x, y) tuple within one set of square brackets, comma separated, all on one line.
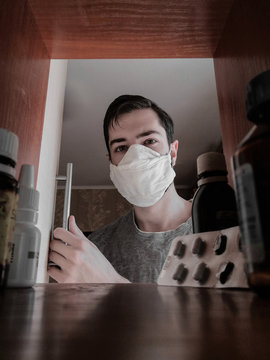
[(209, 259)]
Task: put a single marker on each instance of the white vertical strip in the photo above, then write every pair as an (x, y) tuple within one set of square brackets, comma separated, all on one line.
[(49, 157)]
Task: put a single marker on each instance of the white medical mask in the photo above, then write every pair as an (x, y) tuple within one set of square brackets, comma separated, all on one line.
[(143, 175)]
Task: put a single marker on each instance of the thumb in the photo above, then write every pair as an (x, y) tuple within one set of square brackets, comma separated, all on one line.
[(72, 226)]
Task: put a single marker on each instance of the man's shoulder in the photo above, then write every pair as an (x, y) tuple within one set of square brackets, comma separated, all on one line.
[(185, 228)]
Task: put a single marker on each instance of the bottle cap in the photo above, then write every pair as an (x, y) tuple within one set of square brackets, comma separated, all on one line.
[(211, 161), (26, 178), (9, 144), (258, 98), (28, 196)]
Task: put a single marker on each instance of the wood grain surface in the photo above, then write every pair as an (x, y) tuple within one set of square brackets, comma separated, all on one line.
[(130, 29), (24, 68), (133, 322), (243, 52), (234, 32)]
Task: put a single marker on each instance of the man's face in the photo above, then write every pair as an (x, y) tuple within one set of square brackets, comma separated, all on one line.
[(137, 127)]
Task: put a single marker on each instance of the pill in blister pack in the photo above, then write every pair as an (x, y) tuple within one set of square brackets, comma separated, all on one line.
[(210, 259)]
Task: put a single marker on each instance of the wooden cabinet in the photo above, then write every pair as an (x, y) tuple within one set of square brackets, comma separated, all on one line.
[(234, 32), (24, 69), (243, 52)]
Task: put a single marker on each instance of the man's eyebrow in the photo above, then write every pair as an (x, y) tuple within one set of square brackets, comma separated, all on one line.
[(117, 141), (143, 134), (146, 133)]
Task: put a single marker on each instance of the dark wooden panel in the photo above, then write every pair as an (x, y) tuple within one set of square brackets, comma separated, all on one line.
[(24, 66), (242, 53), (92, 208), (130, 29)]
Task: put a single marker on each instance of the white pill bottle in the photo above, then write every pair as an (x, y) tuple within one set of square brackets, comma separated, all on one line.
[(26, 238)]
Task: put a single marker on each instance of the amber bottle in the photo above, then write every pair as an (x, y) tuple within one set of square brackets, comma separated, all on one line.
[(252, 182), (214, 204)]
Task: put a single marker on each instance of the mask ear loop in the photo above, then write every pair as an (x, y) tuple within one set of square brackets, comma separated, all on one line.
[(170, 153)]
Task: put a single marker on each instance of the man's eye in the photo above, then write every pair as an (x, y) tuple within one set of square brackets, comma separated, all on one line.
[(121, 148), (150, 141)]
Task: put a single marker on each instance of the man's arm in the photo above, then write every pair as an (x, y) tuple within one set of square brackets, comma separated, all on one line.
[(79, 259)]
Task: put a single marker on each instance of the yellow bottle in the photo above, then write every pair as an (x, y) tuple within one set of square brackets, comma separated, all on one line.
[(8, 199)]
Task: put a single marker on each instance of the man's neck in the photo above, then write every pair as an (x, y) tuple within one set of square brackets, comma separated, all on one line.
[(167, 214)]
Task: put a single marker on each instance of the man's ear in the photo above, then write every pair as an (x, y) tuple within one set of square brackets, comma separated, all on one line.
[(174, 149), (108, 157)]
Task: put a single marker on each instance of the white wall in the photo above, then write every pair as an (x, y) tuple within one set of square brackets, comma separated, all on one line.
[(49, 158), (185, 88)]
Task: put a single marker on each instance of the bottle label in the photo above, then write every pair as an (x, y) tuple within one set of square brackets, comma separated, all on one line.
[(249, 216), (24, 260), (7, 223)]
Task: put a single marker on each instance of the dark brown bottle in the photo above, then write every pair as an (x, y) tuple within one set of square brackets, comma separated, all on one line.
[(214, 205), (8, 199), (252, 183)]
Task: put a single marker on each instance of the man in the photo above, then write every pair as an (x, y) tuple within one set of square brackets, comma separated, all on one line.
[(142, 153)]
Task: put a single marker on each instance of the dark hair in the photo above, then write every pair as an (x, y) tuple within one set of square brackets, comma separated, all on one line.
[(125, 104)]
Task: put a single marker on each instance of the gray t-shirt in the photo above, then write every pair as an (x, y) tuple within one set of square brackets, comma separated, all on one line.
[(136, 255)]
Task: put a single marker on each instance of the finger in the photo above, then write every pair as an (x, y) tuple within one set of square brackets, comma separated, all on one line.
[(65, 236), (58, 260), (61, 248), (56, 274), (73, 228)]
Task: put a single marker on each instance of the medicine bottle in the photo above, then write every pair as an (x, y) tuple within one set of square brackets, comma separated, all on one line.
[(252, 183), (214, 205), (8, 198), (26, 240)]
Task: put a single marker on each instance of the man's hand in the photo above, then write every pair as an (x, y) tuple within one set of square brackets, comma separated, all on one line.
[(79, 259)]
